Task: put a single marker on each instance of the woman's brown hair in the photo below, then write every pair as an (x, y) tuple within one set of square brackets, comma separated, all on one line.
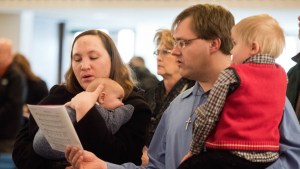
[(22, 62)]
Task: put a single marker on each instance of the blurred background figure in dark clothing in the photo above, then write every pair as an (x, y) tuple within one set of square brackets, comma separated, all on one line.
[(13, 90), (37, 87), (144, 77), (293, 88)]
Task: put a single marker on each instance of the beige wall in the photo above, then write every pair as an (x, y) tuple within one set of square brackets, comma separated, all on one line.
[(51, 4), (10, 28)]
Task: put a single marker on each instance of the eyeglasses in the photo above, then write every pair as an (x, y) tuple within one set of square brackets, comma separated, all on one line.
[(162, 52), (182, 43)]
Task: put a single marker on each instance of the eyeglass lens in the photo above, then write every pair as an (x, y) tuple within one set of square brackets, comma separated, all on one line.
[(162, 51)]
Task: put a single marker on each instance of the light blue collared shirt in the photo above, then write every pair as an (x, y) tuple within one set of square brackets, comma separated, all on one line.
[(171, 140), (289, 140)]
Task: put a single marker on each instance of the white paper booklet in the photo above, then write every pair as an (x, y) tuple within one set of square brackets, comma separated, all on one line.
[(56, 125)]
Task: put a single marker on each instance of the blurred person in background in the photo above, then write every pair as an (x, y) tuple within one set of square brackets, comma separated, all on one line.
[(37, 87), (145, 79), (294, 82), (13, 90)]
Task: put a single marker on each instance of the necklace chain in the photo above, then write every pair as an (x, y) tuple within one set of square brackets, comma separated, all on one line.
[(189, 120)]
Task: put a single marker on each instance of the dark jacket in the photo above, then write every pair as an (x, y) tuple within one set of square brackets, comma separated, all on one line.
[(37, 90), (294, 83), (146, 80), (125, 146), (13, 91)]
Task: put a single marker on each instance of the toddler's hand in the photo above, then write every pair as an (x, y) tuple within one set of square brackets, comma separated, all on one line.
[(188, 155)]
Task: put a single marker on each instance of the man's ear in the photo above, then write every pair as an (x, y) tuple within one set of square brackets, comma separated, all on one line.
[(215, 45), (102, 96), (254, 48)]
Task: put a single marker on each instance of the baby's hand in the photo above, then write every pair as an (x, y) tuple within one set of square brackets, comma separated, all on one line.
[(84, 101)]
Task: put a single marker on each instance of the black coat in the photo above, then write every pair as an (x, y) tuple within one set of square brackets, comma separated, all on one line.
[(125, 146), (146, 80), (13, 90), (37, 90), (293, 87)]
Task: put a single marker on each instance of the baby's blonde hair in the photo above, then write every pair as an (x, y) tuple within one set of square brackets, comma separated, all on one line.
[(264, 30)]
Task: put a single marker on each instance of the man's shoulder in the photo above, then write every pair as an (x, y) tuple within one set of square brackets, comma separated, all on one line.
[(182, 98), (186, 94)]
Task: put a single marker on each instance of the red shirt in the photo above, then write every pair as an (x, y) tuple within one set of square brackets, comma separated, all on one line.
[(258, 100)]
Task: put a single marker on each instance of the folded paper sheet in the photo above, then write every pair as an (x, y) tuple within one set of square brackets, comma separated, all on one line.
[(56, 125)]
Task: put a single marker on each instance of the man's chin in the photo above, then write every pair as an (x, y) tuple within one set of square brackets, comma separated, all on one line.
[(183, 73)]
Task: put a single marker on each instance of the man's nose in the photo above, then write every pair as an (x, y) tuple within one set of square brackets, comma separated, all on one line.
[(176, 51)]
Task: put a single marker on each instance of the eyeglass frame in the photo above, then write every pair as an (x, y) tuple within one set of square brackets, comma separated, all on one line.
[(182, 43), (165, 51)]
